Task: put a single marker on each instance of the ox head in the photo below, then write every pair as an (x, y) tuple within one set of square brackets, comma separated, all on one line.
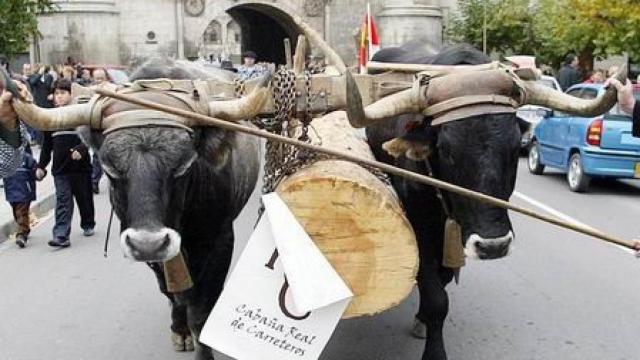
[(478, 152), (150, 166)]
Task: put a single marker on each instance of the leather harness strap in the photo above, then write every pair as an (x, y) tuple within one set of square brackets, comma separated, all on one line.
[(463, 101), (192, 93), (142, 118)]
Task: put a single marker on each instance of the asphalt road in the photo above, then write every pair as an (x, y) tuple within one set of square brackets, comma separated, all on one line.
[(560, 295)]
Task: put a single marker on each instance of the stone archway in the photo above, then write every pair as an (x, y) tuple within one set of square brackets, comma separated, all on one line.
[(264, 28)]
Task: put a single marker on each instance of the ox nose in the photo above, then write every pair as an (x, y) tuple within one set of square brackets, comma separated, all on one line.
[(150, 246), (488, 249)]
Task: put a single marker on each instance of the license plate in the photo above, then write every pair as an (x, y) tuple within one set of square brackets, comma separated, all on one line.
[(636, 173)]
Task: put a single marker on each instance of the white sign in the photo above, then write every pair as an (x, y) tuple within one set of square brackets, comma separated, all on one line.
[(283, 300)]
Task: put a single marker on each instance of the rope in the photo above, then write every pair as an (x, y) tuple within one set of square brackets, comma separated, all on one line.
[(372, 163)]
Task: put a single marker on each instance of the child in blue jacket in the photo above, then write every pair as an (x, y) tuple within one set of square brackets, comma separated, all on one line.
[(20, 191)]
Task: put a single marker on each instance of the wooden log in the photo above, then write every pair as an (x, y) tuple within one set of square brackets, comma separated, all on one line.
[(355, 219)]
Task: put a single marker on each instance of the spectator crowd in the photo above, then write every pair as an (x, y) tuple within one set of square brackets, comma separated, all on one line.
[(75, 170)]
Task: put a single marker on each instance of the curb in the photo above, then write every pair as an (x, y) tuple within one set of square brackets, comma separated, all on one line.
[(40, 208)]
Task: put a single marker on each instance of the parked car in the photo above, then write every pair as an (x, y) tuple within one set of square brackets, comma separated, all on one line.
[(530, 115), (586, 147), (117, 74)]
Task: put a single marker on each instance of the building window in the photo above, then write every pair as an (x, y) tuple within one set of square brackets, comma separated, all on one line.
[(233, 32), (213, 33)]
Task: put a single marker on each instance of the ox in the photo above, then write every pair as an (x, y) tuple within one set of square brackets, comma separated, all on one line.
[(476, 148), (174, 185)]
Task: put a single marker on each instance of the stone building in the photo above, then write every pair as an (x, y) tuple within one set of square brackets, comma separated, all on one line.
[(125, 31)]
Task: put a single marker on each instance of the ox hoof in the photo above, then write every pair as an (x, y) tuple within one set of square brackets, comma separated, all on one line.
[(419, 329), (188, 343), (182, 342)]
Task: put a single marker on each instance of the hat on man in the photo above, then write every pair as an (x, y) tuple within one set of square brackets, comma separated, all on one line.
[(250, 54)]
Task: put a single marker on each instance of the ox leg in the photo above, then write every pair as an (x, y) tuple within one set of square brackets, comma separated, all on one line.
[(180, 334), (208, 273), (434, 307)]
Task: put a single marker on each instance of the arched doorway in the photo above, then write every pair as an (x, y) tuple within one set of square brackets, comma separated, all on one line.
[(264, 29)]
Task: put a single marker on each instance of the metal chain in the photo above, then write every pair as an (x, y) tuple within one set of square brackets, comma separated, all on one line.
[(282, 160), (280, 157)]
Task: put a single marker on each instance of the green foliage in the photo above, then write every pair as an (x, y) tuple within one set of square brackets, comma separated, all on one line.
[(550, 29), (509, 25), (18, 23)]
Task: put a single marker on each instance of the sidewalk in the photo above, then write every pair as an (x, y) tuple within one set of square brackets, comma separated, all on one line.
[(45, 201)]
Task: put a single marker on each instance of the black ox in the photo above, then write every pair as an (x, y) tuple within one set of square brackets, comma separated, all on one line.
[(478, 153), (176, 185), (174, 189), (475, 147)]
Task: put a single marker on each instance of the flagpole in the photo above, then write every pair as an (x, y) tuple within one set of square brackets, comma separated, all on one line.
[(369, 31)]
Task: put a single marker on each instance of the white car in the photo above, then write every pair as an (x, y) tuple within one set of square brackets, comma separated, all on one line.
[(530, 115)]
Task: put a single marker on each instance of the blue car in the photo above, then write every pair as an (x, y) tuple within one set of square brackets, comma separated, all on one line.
[(586, 147)]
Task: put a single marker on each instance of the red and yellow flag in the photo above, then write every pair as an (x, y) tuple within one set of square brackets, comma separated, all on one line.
[(369, 41)]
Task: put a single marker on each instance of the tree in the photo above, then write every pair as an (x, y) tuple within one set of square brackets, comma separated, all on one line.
[(19, 24), (550, 29), (590, 28), (509, 25)]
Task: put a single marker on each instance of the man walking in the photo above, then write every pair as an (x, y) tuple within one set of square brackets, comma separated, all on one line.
[(569, 74), (71, 173)]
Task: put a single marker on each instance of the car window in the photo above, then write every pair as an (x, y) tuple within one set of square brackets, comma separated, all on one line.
[(588, 94)]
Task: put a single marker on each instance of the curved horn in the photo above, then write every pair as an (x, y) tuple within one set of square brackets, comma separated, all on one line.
[(243, 108), (399, 103), (537, 94), (43, 119), (61, 118)]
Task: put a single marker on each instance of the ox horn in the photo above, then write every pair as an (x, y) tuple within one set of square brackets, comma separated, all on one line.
[(44, 119), (537, 94), (61, 118), (398, 103), (243, 108)]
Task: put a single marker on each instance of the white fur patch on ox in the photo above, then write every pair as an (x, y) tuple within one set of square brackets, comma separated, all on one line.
[(470, 249), (149, 238)]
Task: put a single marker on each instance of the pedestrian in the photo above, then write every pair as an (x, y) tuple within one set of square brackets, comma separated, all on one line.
[(630, 105), (597, 77), (13, 134), (20, 191), (85, 78), (41, 84), (249, 69), (71, 172), (68, 72), (569, 74)]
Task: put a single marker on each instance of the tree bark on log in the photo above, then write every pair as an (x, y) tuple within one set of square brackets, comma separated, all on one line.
[(355, 219)]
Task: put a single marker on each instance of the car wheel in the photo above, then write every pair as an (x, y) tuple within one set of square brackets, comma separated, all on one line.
[(578, 180), (535, 167)]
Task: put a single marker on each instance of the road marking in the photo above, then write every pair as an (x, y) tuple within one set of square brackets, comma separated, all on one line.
[(561, 215)]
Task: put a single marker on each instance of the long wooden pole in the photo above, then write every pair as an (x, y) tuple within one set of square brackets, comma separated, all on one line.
[(390, 169)]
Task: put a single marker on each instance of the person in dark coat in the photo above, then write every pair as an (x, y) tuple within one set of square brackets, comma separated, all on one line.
[(71, 171), (41, 85), (569, 74), (20, 191)]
